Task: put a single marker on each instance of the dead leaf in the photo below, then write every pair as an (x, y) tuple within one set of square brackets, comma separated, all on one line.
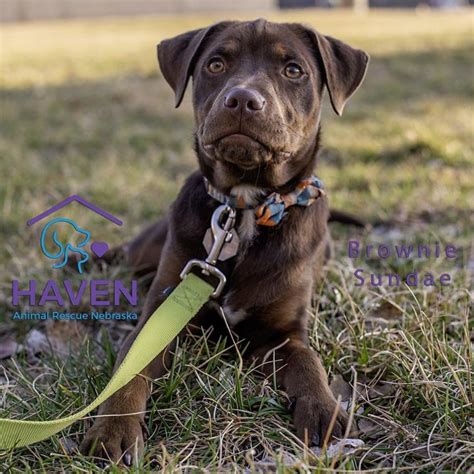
[(470, 428), (66, 336), (8, 347), (341, 388), (36, 342), (69, 446), (384, 315), (366, 392), (368, 428), (269, 464), (382, 390), (341, 447)]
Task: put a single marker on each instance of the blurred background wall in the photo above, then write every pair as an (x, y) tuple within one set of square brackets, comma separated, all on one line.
[(25, 10)]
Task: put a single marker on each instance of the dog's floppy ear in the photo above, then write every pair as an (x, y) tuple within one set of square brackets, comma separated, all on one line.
[(344, 68), (178, 55)]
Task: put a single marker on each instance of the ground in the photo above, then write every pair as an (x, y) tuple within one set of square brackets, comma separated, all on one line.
[(85, 110)]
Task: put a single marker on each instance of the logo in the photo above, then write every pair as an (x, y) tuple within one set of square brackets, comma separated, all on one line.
[(64, 249), (66, 242), (59, 243)]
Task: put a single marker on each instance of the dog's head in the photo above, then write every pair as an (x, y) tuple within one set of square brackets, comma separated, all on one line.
[(257, 89)]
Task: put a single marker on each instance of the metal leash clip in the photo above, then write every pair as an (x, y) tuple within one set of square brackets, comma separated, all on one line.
[(222, 222)]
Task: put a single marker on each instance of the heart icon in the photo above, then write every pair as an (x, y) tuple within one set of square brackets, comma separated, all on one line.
[(99, 248)]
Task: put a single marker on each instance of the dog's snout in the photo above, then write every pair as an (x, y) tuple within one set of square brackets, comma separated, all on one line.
[(248, 100)]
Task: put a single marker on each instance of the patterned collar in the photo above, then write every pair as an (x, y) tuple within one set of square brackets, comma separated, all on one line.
[(273, 208)]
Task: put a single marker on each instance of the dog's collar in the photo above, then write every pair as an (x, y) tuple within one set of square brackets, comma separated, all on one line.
[(273, 207)]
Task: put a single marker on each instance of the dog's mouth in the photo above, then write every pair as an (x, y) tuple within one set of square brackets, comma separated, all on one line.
[(244, 150), (240, 139)]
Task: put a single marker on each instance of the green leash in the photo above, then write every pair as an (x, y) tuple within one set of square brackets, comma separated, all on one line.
[(160, 329)]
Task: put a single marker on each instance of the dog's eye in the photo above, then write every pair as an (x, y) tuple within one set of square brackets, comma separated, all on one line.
[(293, 71), (216, 66)]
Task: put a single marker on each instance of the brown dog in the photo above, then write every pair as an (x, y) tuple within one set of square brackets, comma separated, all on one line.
[(257, 89)]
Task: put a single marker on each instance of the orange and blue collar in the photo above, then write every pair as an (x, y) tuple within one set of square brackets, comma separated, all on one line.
[(274, 206)]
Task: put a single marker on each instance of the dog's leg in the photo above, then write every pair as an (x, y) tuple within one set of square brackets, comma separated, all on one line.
[(120, 438), (142, 254), (300, 372)]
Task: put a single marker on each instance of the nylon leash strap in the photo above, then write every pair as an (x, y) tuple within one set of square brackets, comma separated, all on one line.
[(160, 329)]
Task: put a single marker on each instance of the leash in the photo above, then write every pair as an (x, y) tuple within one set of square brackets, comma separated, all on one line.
[(182, 304)]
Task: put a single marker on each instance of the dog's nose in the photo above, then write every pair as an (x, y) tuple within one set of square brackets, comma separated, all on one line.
[(249, 100)]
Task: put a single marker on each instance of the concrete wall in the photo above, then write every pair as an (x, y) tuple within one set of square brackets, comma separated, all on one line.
[(25, 10)]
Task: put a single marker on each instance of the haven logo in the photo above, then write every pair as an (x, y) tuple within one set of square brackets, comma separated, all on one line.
[(65, 242)]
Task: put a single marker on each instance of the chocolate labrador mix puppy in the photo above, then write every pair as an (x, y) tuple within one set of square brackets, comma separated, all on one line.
[(257, 90)]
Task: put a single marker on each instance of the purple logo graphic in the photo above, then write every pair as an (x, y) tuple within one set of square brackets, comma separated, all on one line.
[(61, 246), (80, 200), (99, 248)]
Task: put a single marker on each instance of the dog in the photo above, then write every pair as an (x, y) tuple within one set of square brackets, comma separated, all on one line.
[(257, 93)]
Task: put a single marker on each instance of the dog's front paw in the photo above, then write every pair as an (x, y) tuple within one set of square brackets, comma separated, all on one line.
[(312, 418), (116, 439)]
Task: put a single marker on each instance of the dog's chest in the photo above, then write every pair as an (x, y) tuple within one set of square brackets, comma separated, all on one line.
[(247, 231), (247, 226), (232, 316)]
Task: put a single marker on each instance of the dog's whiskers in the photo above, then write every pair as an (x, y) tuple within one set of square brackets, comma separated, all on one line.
[(292, 129), (258, 174)]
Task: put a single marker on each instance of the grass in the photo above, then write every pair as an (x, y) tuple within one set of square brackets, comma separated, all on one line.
[(85, 110)]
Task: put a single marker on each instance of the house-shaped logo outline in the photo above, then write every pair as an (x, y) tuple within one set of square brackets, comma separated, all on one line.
[(80, 200)]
